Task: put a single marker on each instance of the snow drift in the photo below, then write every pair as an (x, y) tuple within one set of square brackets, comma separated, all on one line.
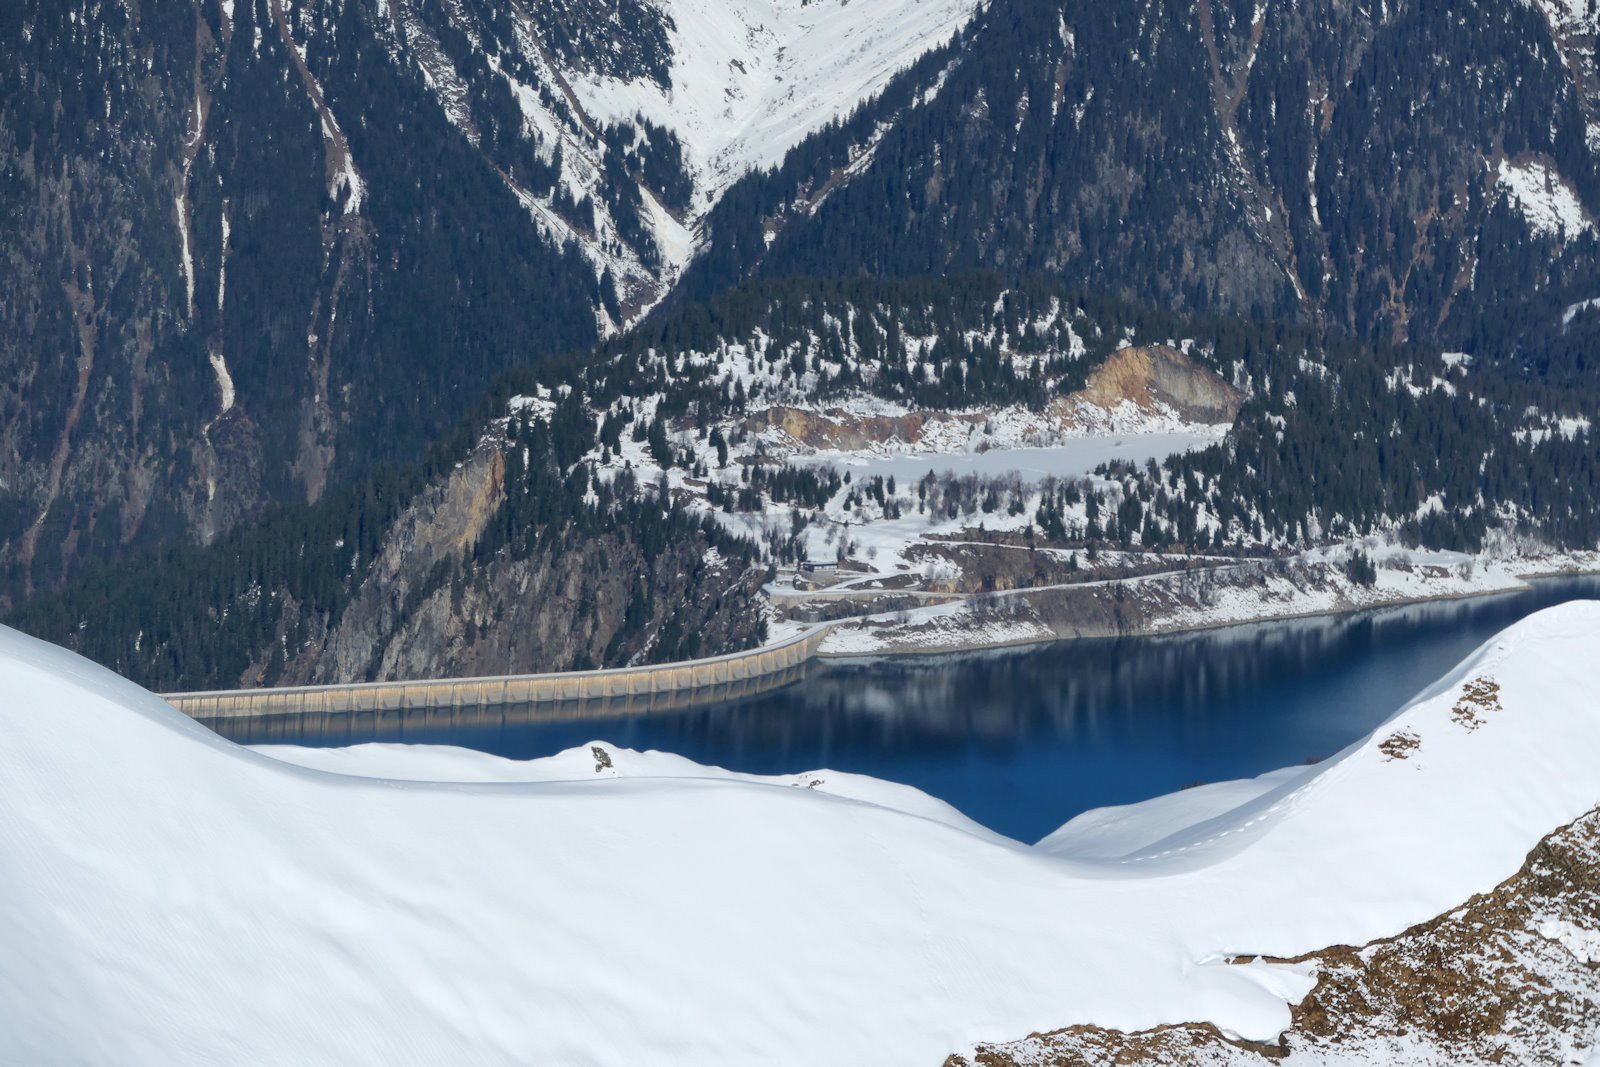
[(172, 898)]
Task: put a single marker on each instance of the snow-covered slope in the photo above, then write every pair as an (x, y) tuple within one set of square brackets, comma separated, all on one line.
[(751, 78), (172, 898), (618, 125)]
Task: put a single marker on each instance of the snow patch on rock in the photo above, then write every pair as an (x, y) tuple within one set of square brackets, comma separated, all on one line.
[(1547, 201)]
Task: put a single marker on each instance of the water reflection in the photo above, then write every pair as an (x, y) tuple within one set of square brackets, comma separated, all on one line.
[(1022, 740)]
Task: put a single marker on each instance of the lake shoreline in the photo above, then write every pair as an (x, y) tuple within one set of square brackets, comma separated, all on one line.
[(975, 641), (1019, 739), (1069, 613)]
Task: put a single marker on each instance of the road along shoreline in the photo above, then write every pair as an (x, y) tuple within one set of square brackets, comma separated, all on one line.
[(645, 688)]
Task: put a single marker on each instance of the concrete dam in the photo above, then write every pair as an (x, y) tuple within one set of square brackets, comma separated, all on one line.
[(512, 689)]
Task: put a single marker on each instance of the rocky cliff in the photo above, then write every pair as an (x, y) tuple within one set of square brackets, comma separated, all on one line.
[(431, 606), (1158, 378)]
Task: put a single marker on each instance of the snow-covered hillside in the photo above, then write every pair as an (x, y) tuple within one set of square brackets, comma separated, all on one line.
[(823, 425), (171, 898), (751, 78)]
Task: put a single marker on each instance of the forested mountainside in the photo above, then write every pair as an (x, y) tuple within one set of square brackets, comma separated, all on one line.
[(248, 256), (540, 537), (1413, 171), (626, 508), (255, 247), (258, 250), (1335, 436), (498, 555)]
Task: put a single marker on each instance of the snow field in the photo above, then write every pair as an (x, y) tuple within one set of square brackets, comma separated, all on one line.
[(201, 902)]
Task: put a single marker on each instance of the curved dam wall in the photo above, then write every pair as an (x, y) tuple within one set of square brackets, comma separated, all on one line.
[(515, 689)]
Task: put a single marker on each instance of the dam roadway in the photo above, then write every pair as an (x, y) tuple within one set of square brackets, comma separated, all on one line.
[(510, 689)]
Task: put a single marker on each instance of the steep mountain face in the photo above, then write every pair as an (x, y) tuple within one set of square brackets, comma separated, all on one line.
[(243, 269), (433, 604), (511, 556), (256, 247), (629, 508), (1414, 171)]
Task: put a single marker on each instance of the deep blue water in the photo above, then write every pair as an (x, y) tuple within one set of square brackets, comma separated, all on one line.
[(1022, 740)]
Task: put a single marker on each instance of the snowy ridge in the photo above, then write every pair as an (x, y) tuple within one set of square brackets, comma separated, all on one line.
[(611, 907), (1416, 766)]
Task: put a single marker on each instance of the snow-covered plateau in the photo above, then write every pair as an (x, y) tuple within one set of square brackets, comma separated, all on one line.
[(173, 898)]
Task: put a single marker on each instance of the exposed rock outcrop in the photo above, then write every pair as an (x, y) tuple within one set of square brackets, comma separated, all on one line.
[(1511, 977), (1158, 378), (428, 608), (1155, 382), (837, 428)]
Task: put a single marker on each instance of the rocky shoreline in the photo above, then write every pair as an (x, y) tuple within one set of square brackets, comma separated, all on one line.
[(1178, 602)]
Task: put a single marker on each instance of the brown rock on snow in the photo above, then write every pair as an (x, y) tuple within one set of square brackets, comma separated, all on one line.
[(1158, 375), (1151, 378)]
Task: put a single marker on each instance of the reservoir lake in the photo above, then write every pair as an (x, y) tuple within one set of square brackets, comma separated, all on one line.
[(1020, 739)]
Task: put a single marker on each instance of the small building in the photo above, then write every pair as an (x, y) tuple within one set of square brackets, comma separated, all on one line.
[(815, 573)]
